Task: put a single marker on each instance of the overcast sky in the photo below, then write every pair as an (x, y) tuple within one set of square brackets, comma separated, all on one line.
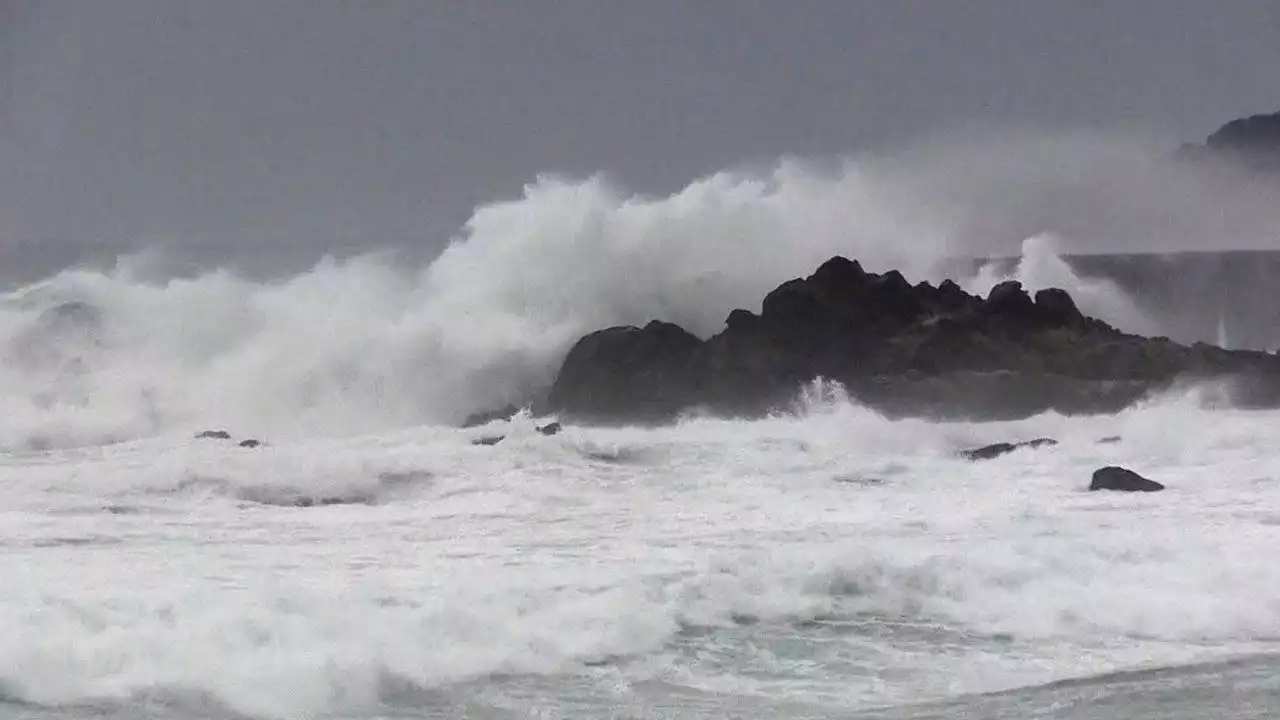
[(288, 127)]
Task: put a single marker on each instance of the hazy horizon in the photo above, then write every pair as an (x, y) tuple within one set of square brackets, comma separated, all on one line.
[(269, 134)]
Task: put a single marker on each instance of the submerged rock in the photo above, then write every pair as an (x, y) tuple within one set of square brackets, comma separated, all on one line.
[(551, 428), (224, 435), (213, 435), (626, 372), (987, 452), (326, 501), (1122, 479)]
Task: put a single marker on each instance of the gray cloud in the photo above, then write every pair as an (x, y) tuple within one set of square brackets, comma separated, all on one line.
[(280, 130)]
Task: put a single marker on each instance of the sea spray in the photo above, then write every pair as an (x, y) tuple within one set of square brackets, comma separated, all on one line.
[(362, 344), (1041, 266), (366, 344)]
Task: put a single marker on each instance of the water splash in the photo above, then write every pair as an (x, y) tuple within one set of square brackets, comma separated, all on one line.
[(1041, 266), (369, 344)]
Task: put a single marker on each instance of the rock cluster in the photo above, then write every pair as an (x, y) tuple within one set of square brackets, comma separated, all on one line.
[(904, 349)]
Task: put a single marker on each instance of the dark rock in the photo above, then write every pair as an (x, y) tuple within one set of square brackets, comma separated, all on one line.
[(628, 372), (1122, 479), (552, 428), (1057, 307), (995, 450), (489, 440), (858, 480), (251, 443), (1008, 299), (1109, 440), (213, 435), (904, 350), (289, 499), (742, 320)]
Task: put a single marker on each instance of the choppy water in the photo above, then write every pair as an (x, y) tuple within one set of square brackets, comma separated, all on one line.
[(371, 562), (827, 564)]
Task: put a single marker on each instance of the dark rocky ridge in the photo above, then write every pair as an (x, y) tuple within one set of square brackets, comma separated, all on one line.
[(906, 350)]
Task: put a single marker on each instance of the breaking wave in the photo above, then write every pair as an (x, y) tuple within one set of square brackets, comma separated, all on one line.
[(367, 343)]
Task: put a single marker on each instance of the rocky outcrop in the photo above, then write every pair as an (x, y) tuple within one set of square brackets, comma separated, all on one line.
[(1123, 480), (907, 350), (642, 374)]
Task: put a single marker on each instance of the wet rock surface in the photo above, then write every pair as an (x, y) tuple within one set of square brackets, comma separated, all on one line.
[(1122, 480), (905, 350)]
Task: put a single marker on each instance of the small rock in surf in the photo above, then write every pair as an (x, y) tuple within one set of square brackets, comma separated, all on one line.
[(213, 435), (1122, 480), (995, 450)]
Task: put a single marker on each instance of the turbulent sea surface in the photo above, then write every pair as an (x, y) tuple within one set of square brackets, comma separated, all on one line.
[(371, 562), (826, 563)]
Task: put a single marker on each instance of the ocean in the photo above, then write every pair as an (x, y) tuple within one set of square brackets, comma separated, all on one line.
[(824, 563), (370, 561)]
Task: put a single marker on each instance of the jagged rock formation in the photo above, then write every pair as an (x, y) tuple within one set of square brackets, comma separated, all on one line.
[(551, 428), (904, 349), (213, 435)]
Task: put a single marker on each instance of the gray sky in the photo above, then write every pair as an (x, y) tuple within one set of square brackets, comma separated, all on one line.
[(284, 128)]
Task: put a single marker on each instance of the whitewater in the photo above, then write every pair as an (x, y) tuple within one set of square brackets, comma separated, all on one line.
[(370, 561)]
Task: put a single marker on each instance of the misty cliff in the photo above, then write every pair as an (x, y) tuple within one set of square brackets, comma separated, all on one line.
[(1226, 296), (1252, 142)]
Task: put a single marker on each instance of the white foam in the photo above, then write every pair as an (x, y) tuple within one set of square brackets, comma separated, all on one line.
[(166, 564), (541, 553), (1041, 266), (369, 343)]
